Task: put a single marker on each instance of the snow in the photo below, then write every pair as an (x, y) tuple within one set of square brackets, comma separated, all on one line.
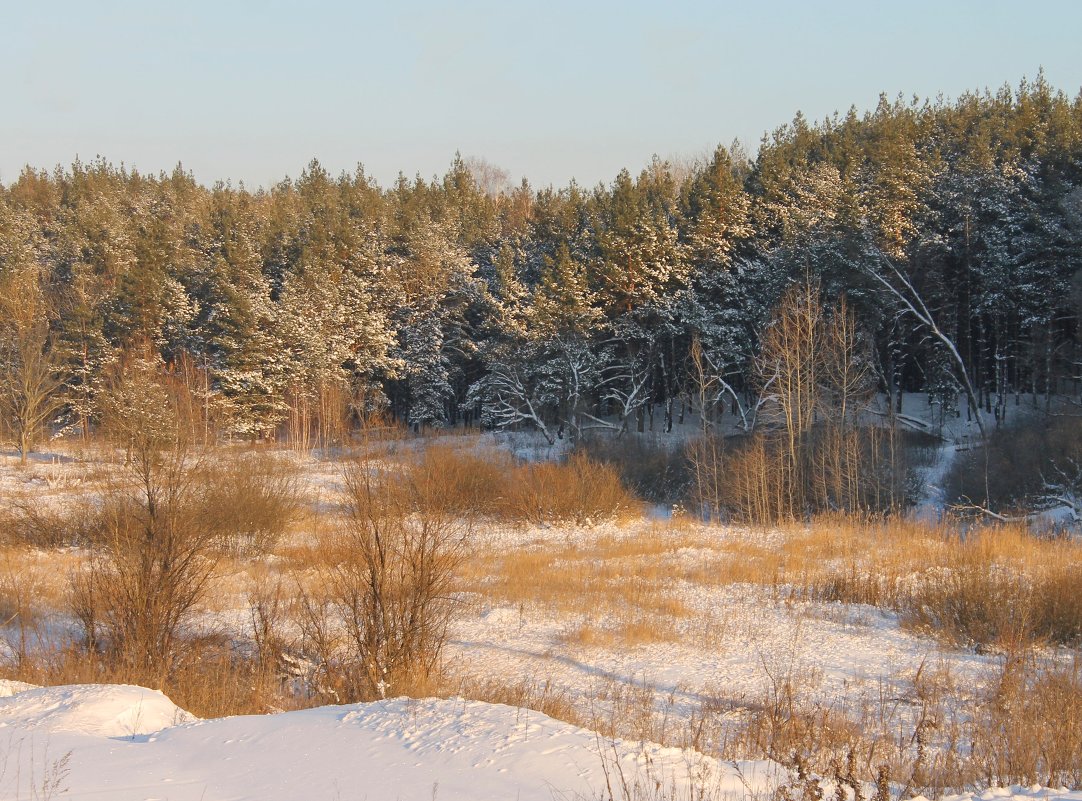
[(8, 687), (132, 743), (736, 642), (100, 710), (103, 741), (1014, 793)]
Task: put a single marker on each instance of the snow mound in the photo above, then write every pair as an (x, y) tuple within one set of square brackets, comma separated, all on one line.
[(1014, 793), (9, 687), (102, 710), (396, 749)]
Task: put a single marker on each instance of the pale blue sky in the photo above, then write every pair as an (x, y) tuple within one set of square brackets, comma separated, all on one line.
[(549, 90)]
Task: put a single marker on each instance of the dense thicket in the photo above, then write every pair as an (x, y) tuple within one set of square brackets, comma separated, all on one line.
[(953, 228)]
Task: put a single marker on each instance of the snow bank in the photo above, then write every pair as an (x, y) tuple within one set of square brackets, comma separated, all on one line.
[(396, 749), (102, 710), (1014, 793), (9, 687)]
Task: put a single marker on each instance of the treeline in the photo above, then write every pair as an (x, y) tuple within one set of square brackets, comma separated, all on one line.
[(953, 230)]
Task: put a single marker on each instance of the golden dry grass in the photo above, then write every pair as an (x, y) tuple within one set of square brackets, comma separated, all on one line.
[(625, 584), (626, 587)]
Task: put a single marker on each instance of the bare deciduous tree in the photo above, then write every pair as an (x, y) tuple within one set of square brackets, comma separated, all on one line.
[(811, 454), (29, 378)]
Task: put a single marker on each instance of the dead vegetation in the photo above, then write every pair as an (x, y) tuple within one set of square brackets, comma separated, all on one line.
[(375, 621), (492, 484), (993, 586), (350, 595)]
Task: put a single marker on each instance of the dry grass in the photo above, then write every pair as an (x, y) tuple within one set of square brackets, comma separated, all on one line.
[(642, 630), (494, 485), (622, 586), (997, 585), (213, 679), (543, 697), (1031, 729)]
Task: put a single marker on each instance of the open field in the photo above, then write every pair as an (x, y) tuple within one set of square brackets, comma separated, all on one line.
[(852, 651)]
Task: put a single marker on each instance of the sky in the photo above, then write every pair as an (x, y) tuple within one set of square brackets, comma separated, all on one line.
[(252, 91)]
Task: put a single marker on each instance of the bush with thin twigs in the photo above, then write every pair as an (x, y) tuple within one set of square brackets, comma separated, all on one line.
[(27, 521), (492, 484), (578, 490), (250, 498), (378, 624), (141, 585), (471, 483), (854, 470), (158, 535)]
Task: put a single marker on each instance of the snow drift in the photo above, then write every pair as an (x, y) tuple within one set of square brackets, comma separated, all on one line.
[(130, 743)]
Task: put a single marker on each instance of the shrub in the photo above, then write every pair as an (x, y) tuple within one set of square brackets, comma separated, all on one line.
[(250, 500), (142, 583), (157, 535), (379, 621), (466, 482), (491, 484), (579, 490), (30, 522), (989, 602)]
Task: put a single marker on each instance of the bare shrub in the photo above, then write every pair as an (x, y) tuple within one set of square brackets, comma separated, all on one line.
[(30, 522), (156, 553), (710, 486), (379, 622), (153, 566), (464, 481), (986, 603), (250, 498), (19, 616), (492, 484), (580, 490)]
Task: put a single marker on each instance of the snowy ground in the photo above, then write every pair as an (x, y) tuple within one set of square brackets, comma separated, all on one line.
[(736, 641), (126, 743), (729, 647)]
